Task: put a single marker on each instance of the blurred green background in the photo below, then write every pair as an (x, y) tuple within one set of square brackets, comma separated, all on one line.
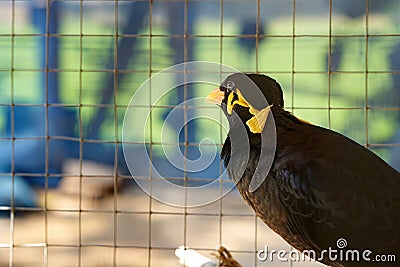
[(339, 68), (338, 101)]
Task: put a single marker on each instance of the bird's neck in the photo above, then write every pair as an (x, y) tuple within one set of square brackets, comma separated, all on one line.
[(286, 120)]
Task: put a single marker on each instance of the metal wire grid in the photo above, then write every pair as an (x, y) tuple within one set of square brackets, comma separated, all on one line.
[(153, 208)]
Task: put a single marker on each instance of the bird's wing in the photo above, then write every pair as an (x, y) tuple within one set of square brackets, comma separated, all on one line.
[(325, 197)]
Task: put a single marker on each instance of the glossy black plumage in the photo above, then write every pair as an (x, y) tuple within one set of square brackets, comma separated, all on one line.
[(322, 185)]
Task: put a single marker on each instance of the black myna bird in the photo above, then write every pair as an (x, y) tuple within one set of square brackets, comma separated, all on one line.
[(321, 187)]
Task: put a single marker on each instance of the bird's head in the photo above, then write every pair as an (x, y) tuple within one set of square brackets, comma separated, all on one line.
[(251, 97)]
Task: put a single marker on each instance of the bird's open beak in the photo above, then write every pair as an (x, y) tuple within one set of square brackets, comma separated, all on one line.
[(215, 97)]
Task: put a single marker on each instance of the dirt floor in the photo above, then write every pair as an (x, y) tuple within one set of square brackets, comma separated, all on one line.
[(130, 229)]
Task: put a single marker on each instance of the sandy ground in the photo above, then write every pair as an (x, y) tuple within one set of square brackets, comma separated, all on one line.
[(130, 229)]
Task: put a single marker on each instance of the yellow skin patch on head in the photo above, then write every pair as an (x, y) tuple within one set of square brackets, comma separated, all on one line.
[(257, 122), (240, 101)]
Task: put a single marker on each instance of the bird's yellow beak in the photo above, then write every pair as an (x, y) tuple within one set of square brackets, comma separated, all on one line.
[(215, 97)]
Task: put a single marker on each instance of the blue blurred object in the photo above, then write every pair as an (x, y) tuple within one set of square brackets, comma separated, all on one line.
[(135, 17), (183, 48), (105, 153), (27, 124), (24, 195), (30, 147), (352, 9), (356, 8), (48, 48), (249, 27), (34, 151), (183, 51), (335, 55)]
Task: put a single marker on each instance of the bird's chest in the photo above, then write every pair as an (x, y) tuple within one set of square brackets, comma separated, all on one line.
[(265, 201), (266, 204)]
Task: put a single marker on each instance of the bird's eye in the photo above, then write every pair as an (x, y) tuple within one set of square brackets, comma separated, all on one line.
[(230, 85)]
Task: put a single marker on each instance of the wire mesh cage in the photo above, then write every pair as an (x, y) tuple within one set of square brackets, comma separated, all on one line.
[(69, 69)]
